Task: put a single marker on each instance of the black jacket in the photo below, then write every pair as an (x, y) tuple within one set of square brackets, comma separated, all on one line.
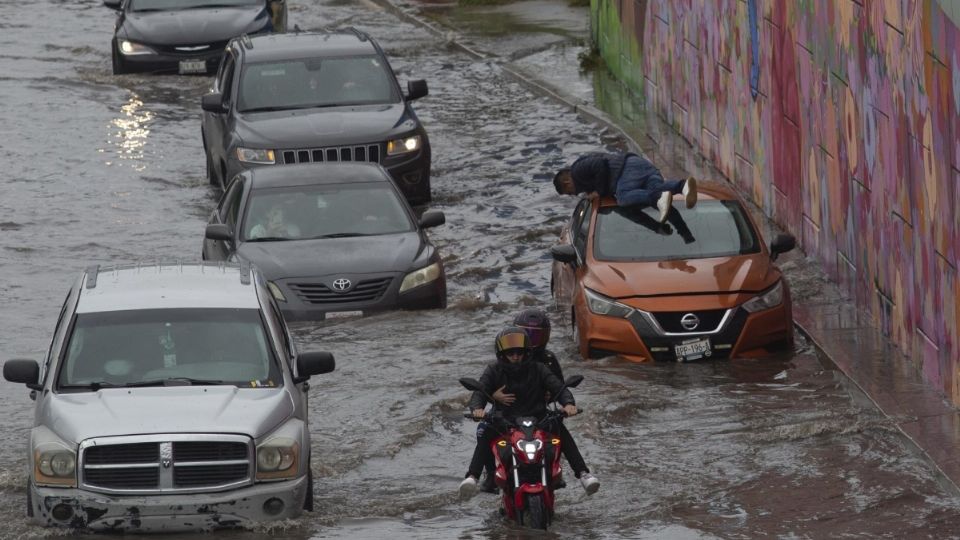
[(529, 391), (598, 172), (549, 359)]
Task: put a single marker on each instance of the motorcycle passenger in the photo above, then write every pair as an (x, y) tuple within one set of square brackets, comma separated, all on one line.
[(526, 382)]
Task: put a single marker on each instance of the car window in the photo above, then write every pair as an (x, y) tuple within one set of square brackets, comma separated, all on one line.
[(580, 226), (225, 77), (231, 203), (711, 229), (63, 321), (130, 347), (303, 212), (321, 82), (165, 5)]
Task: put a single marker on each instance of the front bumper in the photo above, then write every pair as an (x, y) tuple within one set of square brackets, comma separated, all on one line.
[(169, 63), (242, 507)]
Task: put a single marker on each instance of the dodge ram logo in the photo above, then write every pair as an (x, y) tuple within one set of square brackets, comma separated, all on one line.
[(166, 454), (341, 284), (689, 321)]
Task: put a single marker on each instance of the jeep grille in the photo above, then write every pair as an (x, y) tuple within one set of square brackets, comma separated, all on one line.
[(175, 463), (366, 152)]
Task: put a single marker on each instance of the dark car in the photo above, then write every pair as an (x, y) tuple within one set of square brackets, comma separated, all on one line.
[(186, 36), (331, 239), (314, 97)]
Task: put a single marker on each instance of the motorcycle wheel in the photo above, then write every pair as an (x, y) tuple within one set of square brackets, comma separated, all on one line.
[(535, 514)]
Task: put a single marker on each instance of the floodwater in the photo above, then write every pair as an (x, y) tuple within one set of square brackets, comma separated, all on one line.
[(104, 169)]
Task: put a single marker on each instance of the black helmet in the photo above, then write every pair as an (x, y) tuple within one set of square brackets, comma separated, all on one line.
[(536, 323), (511, 339)]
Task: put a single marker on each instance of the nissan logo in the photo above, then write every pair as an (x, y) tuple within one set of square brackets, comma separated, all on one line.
[(341, 284), (689, 321)]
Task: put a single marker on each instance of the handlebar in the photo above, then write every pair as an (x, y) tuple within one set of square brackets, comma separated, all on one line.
[(496, 415)]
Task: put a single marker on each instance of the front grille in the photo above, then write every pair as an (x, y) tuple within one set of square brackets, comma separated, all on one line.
[(366, 152), (727, 336), (188, 51), (369, 290), (166, 463), (670, 320)]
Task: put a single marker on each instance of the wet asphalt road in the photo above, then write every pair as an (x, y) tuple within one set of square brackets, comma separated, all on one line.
[(101, 169)]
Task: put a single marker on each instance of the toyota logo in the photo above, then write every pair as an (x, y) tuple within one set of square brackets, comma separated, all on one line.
[(690, 321), (341, 284)]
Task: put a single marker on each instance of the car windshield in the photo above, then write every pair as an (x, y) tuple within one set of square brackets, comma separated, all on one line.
[(310, 83), (324, 211), (168, 346), (172, 5), (710, 229)]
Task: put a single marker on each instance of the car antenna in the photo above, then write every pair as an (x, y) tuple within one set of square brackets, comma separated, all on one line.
[(247, 42)]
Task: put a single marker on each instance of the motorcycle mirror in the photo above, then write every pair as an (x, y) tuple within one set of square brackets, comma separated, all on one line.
[(471, 384), (574, 380)]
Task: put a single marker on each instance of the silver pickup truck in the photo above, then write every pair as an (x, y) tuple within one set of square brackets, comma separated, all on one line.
[(172, 398)]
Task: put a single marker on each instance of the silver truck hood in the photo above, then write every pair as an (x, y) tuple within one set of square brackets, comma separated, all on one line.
[(172, 409)]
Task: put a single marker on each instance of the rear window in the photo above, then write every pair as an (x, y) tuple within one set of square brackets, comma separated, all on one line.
[(711, 229), (164, 5)]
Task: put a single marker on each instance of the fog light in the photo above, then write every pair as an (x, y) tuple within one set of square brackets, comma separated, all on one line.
[(273, 506), (62, 512), (412, 178)]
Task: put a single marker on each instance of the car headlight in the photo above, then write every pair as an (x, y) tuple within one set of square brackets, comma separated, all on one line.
[(601, 305), (256, 155), (420, 277), (771, 298), (402, 146), (54, 461), (278, 457), (132, 48), (276, 292)]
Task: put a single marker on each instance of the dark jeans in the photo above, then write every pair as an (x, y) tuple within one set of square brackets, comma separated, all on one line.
[(640, 183), (487, 433)]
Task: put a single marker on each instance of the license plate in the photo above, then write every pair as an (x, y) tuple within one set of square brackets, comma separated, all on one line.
[(692, 349), (193, 66), (343, 314)]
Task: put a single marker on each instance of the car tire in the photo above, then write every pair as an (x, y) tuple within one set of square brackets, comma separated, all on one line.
[(576, 336), (211, 171), (308, 500), (118, 67)]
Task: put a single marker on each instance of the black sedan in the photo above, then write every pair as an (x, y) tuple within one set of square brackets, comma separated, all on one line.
[(332, 239), (186, 36)]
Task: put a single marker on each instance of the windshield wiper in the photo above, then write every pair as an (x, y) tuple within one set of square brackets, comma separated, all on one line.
[(267, 109), (211, 6), (94, 386), (270, 239), (340, 235), (175, 381)]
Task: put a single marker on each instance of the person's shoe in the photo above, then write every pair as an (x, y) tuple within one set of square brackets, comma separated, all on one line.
[(488, 485), (468, 488), (590, 483), (690, 191), (664, 203)]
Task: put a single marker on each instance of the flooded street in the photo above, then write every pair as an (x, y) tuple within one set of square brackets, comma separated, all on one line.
[(104, 169)]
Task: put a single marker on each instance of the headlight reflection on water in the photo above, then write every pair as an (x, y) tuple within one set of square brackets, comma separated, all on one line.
[(131, 131)]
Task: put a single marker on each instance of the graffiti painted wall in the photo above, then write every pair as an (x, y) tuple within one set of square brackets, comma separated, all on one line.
[(840, 117)]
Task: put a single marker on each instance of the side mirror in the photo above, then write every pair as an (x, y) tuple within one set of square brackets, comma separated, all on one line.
[(112, 4), (416, 89), (23, 371), (471, 384), (432, 218), (313, 363), (573, 381), (782, 244), (564, 253), (219, 231), (213, 103)]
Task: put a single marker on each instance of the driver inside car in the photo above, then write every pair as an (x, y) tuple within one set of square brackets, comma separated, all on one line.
[(518, 385)]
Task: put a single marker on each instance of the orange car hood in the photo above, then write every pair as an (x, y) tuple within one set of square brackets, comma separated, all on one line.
[(747, 273)]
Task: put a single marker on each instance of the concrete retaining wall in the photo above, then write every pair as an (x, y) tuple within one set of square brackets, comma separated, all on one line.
[(840, 117)]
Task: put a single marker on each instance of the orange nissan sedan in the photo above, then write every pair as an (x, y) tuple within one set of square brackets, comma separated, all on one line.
[(701, 285)]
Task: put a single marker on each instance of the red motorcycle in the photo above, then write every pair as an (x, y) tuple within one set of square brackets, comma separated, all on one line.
[(527, 461)]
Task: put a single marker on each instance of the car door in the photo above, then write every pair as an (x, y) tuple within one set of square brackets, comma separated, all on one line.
[(215, 124), (564, 278), (227, 213)]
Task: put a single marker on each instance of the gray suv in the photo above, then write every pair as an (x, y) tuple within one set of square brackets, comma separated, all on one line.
[(172, 398), (312, 97)]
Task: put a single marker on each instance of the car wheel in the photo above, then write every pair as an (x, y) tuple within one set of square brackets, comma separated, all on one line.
[(118, 67), (308, 501), (211, 170), (577, 337)]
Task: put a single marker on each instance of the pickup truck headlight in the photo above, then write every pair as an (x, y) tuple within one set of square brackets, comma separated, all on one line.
[(132, 48), (256, 155), (278, 457), (402, 146), (420, 277), (54, 461), (771, 298), (601, 305)]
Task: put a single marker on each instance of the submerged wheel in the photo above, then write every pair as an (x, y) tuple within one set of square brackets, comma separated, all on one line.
[(118, 67), (308, 500), (535, 514), (211, 172)]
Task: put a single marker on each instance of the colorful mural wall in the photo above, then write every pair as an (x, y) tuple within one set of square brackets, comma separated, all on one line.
[(840, 117)]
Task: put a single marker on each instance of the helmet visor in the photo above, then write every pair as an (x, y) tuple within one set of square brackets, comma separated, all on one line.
[(511, 341), (538, 336)]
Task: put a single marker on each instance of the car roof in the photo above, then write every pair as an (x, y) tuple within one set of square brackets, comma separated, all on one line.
[(706, 190), (167, 285), (273, 47), (317, 173)]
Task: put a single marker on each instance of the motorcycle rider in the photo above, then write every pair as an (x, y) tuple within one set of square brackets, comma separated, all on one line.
[(523, 383)]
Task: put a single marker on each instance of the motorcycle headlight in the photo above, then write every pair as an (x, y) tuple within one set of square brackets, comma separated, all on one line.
[(132, 48), (601, 305), (256, 155), (278, 457), (420, 277), (402, 146), (530, 448), (771, 298), (54, 461)]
